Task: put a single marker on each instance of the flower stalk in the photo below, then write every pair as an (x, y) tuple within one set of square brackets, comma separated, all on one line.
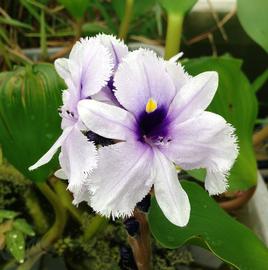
[(173, 37), (66, 198), (124, 26), (141, 243)]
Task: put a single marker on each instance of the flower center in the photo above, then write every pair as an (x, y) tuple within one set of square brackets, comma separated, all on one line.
[(153, 124)]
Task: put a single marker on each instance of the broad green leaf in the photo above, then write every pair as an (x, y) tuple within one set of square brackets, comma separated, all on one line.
[(15, 244), (198, 174), (7, 214), (260, 81), (21, 225), (237, 103), (139, 7), (253, 17), (76, 8), (229, 240), (177, 6), (29, 121)]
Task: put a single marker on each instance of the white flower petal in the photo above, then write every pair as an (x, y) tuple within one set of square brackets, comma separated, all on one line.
[(122, 179), (206, 141), (61, 174), (51, 152), (106, 95), (177, 74), (216, 182), (116, 47), (170, 196), (62, 67), (194, 97), (78, 160), (107, 120), (90, 65), (141, 76), (176, 57)]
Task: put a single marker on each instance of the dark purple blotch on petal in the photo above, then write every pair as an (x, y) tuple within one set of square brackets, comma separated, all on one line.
[(97, 139), (153, 125), (110, 83)]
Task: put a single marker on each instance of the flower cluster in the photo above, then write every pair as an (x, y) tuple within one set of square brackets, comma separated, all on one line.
[(150, 115)]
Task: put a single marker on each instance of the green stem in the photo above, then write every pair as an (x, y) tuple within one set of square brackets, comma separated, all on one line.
[(96, 225), (124, 26), (66, 198), (8, 172), (34, 209), (174, 31), (54, 232)]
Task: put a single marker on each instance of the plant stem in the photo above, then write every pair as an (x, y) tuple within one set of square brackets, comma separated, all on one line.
[(53, 233), (173, 37), (124, 26), (95, 225), (66, 198), (141, 244), (33, 206)]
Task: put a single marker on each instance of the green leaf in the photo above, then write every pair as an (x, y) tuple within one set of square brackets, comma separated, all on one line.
[(76, 8), (7, 214), (15, 244), (29, 121), (260, 81), (198, 174), (237, 103), (253, 17), (177, 6), (229, 240), (21, 225)]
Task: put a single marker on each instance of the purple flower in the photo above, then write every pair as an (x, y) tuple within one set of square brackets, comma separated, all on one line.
[(161, 122), (87, 72)]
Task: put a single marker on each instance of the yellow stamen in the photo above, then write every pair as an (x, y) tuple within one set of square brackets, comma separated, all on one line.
[(151, 105)]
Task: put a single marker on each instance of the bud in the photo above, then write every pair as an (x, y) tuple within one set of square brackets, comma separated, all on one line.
[(29, 121)]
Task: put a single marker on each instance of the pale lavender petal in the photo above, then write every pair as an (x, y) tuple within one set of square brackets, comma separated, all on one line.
[(194, 97), (78, 160), (106, 95), (170, 196), (52, 151), (90, 66), (116, 47), (107, 120), (141, 76), (177, 73), (122, 179), (205, 141)]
